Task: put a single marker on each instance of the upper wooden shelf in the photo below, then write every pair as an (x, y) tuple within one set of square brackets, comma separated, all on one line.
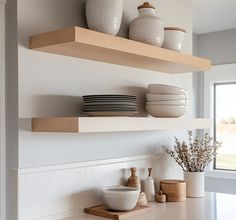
[(92, 45), (112, 124)]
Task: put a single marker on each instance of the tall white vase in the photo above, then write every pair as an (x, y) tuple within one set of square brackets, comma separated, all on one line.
[(195, 184), (104, 15)]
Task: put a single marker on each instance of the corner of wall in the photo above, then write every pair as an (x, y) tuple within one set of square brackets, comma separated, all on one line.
[(2, 113), (11, 63)]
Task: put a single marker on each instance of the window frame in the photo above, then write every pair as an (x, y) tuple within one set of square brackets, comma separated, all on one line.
[(214, 119), (217, 74)]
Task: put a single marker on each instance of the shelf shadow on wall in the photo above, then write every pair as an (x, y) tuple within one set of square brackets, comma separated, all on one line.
[(56, 106), (57, 14), (140, 93)]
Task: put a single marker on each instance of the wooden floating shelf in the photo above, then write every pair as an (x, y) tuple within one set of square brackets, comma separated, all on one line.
[(92, 45), (111, 124)]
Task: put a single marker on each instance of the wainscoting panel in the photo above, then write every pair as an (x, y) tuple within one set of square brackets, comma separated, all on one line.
[(63, 191)]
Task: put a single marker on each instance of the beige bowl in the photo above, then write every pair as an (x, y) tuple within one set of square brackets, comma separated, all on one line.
[(163, 97), (166, 111), (121, 198), (165, 89)]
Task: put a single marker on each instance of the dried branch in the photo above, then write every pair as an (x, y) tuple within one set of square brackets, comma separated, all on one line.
[(195, 156)]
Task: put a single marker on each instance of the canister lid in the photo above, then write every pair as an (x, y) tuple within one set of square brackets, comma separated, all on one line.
[(146, 5), (175, 29)]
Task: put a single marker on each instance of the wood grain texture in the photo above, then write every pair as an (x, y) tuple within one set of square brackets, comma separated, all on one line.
[(92, 45), (66, 124), (175, 190), (111, 124), (103, 211)]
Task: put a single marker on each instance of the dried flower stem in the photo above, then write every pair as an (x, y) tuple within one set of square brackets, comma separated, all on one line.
[(195, 156)]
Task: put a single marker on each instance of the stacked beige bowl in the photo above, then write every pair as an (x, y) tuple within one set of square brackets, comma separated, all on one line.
[(166, 101)]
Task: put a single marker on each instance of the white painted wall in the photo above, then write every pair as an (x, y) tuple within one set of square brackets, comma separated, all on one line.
[(51, 85), (198, 80), (220, 46)]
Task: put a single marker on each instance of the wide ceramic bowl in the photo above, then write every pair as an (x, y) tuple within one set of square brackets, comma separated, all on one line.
[(165, 89), (121, 198), (168, 102), (167, 111), (174, 38), (163, 97)]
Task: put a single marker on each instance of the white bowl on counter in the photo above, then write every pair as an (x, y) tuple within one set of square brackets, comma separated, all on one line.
[(168, 102), (121, 198), (166, 111), (165, 89), (174, 37), (163, 97)]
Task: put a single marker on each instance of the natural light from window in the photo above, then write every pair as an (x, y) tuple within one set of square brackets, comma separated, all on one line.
[(225, 125)]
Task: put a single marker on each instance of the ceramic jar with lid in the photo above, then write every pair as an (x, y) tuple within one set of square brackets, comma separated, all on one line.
[(174, 37), (147, 27), (104, 15)]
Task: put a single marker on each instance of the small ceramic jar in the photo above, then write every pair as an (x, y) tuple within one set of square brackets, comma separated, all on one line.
[(160, 197), (147, 27), (174, 37), (104, 15)]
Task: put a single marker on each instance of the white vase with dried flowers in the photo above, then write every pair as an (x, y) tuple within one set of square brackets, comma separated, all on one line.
[(193, 159)]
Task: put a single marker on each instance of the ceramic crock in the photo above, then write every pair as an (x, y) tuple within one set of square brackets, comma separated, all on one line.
[(147, 27), (194, 184), (104, 15), (174, 37)]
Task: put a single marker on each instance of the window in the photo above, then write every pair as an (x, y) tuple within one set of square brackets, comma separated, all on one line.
[(225, 124)]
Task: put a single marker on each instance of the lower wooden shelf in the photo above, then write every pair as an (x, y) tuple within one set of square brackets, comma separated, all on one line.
[(112, 124)]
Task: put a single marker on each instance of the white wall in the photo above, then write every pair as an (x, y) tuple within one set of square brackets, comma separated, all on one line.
[(198, 80), (51, 85), (220, 185), (220, 46)]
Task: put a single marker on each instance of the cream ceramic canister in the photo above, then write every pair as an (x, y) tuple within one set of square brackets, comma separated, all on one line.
[(104, 15), (195, 185), (147, 27), (174, 37)]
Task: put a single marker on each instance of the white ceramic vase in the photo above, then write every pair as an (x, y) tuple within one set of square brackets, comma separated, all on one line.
[(147, 27), (104, 15), (194, 184)]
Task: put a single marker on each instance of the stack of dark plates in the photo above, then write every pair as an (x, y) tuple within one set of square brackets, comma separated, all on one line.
[(110, 105)]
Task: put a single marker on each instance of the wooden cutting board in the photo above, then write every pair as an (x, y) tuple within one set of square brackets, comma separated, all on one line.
[(103, 211)]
